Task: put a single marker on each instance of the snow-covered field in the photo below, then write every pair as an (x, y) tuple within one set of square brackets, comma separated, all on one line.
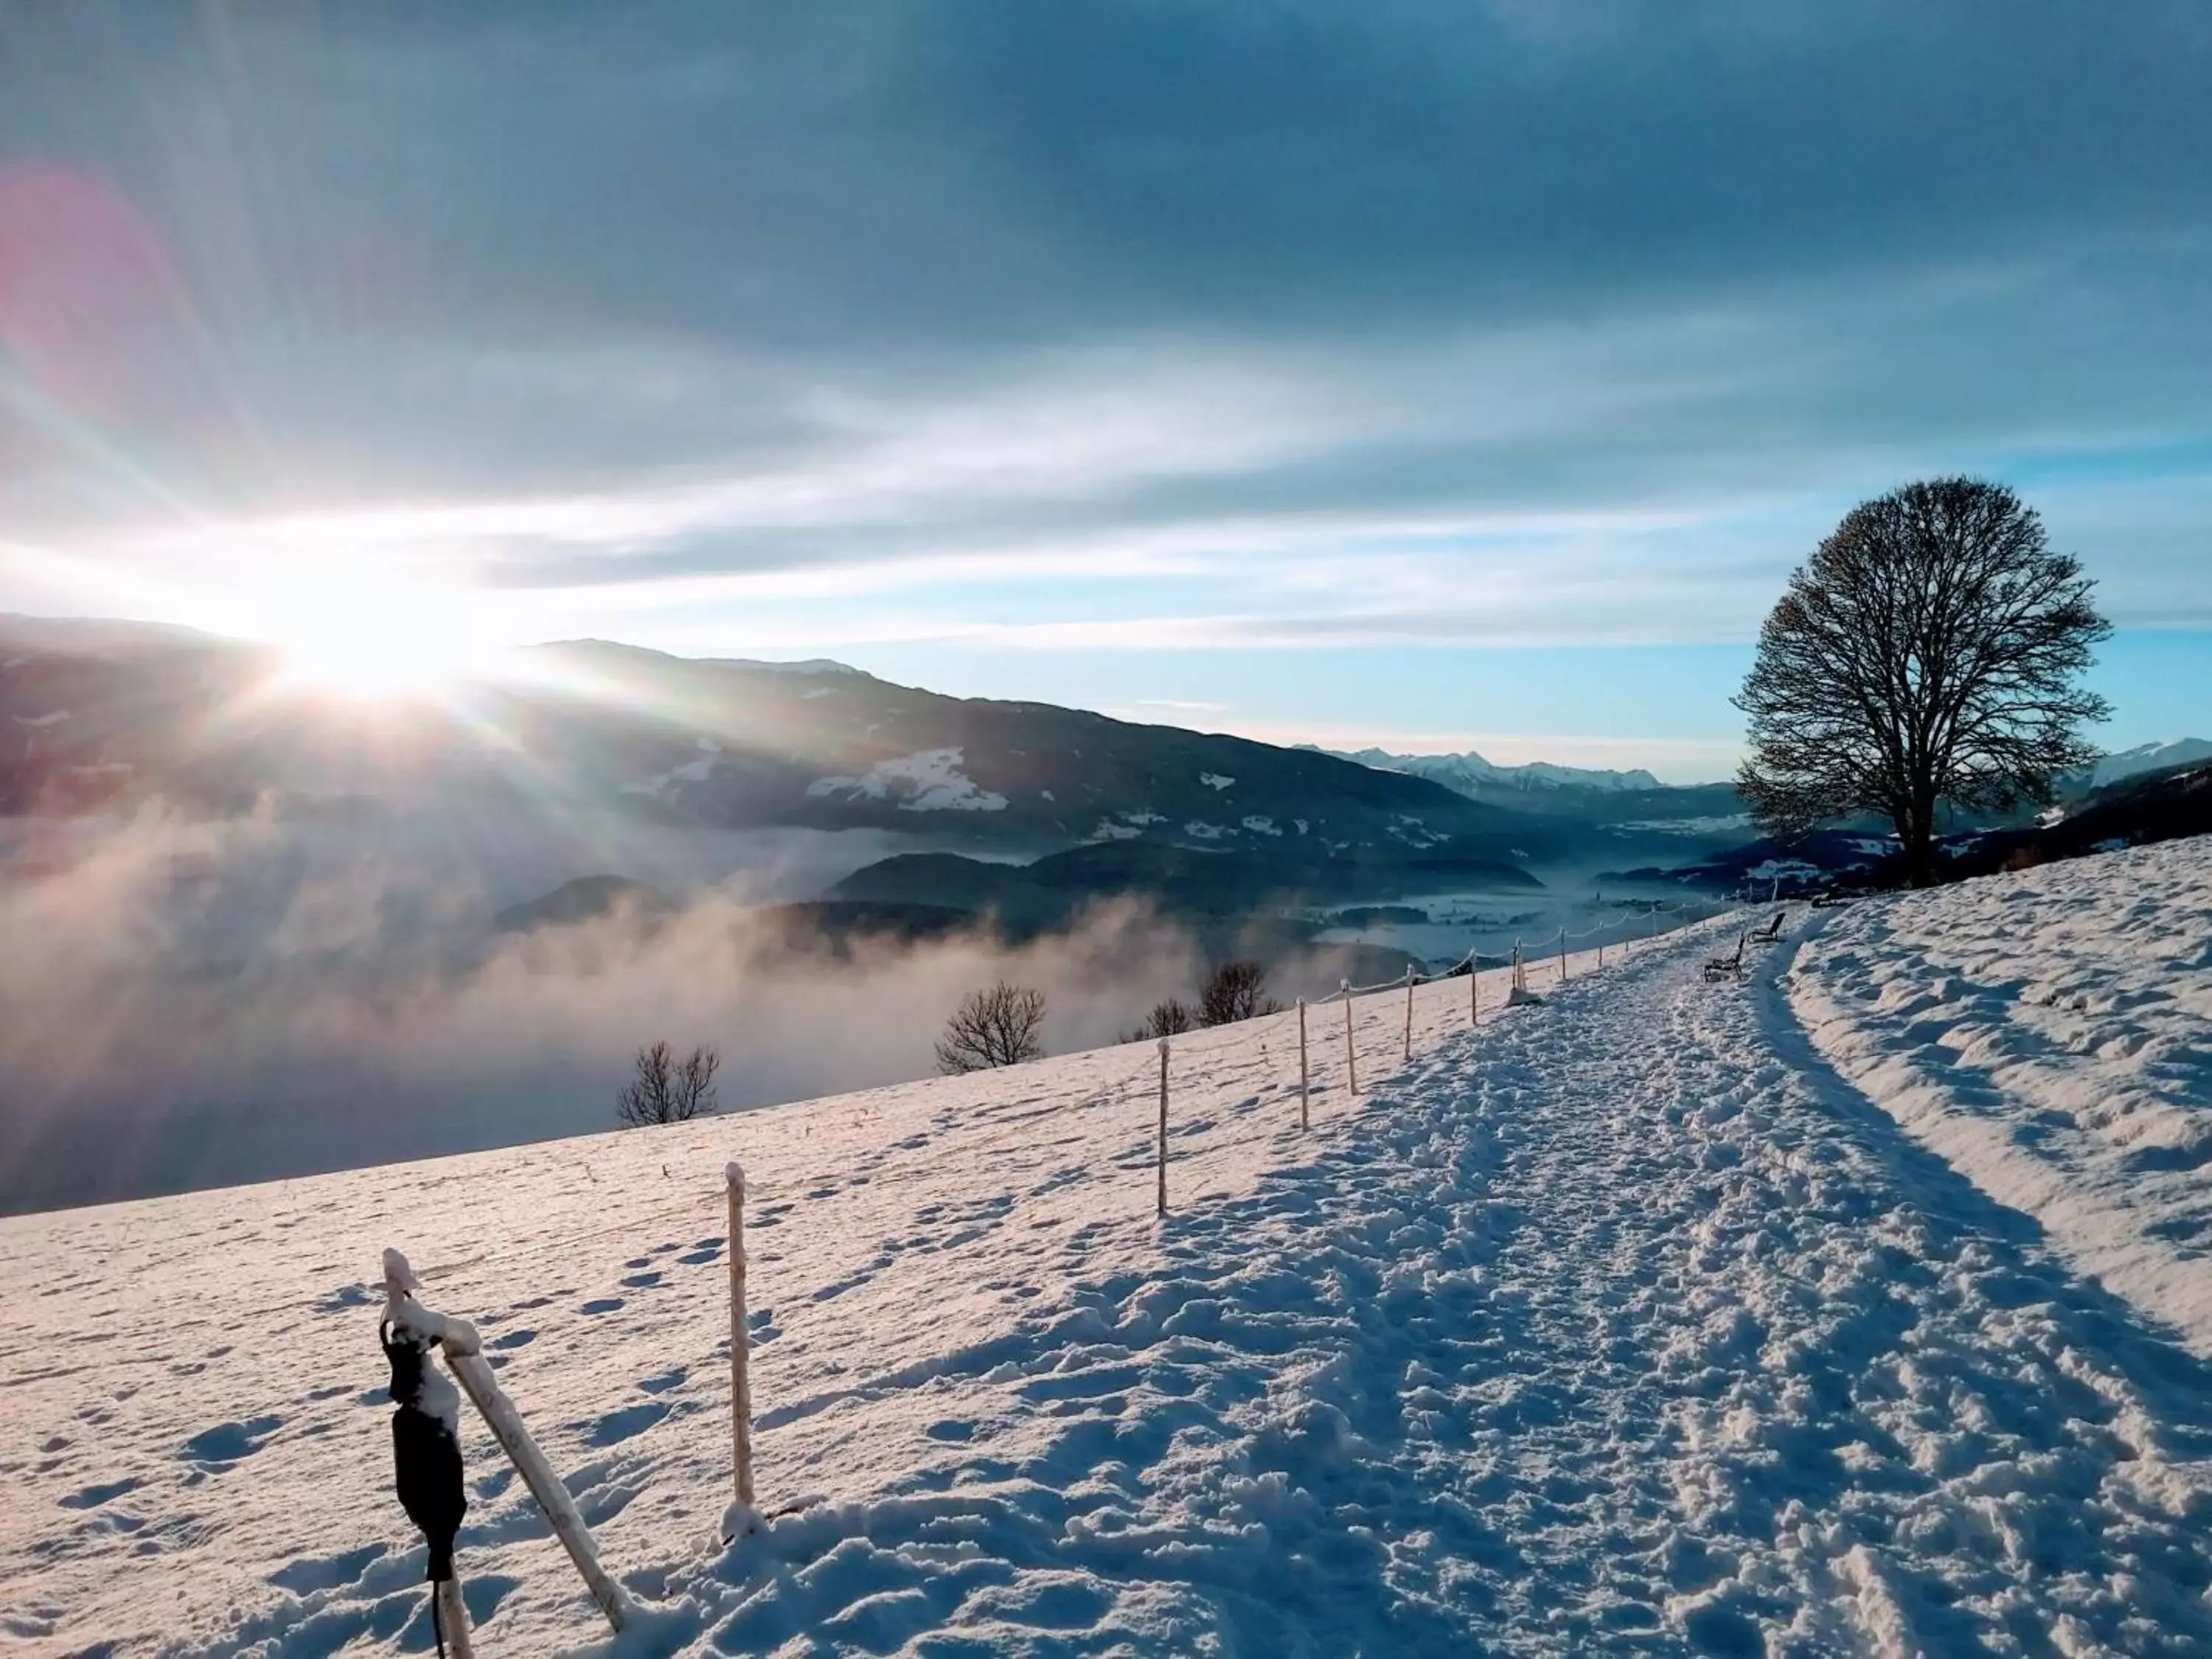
[(1621, 1323), (2050, 1034)]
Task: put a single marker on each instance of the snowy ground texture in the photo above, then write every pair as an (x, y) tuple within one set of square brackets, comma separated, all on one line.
[(2050, 1033), (1624, 1323)]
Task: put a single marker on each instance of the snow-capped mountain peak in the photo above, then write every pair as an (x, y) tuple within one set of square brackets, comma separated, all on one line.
[(2149, 757), (1455, 771)]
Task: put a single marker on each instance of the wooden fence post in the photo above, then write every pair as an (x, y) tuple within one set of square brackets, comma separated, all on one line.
[(1563, 953), (741, 1391), (1351, 1054), (1163, 1128), (1409, 1011), (1474, 988), (1303, 1122), (464, 1353), (453, 1619)]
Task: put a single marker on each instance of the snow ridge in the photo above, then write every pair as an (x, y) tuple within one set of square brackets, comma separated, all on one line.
[(2050, 1032)]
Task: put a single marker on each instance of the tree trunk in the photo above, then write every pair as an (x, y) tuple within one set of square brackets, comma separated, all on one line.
[(1916, 828)]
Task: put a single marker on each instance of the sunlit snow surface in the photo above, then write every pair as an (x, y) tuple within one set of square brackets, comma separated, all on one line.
[(1620, 1324), (2050, 1033)]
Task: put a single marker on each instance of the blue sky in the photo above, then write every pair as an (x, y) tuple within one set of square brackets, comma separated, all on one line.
[(1421, 373)]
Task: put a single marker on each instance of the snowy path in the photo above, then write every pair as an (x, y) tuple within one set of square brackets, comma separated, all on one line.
[(1667, 1346), (1622, 1324)]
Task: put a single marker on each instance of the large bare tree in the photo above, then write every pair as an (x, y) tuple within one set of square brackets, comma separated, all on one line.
[(998, 1026), (666, 1089), (1930, 650)]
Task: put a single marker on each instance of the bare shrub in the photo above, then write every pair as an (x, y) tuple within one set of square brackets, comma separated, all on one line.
[(666, 1089), (1168, 1018), (998, 1026), (1235, 991)]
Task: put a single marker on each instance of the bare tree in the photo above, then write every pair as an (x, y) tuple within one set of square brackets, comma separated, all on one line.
[(1168, 1018), (666, 1089), (1927, 652), (1235, 991), (994, 1027)]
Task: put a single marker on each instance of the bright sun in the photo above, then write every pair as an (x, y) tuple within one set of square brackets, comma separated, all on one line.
[(367, 642)]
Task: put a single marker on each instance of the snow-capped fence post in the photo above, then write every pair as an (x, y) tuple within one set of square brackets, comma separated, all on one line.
[(463, 1351), (1163, 1128), (1409, 1011), (1351, 1054), (1303, 1122), (741, 1388), (1474, 988), (1563, 953)]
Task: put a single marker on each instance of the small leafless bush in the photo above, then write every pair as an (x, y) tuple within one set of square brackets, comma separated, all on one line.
[(1167, 1018), (1235, 991), (666, 1089), (998, 1026)]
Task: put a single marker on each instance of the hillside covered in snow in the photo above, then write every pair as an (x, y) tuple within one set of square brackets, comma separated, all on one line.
[(1669, 1316)]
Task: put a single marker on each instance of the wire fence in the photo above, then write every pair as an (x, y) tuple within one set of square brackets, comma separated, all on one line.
[(1018, 1122), (1015, 1122)]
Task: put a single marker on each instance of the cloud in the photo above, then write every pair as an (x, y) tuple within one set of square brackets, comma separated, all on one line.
[(215, 1002), (673, 312)]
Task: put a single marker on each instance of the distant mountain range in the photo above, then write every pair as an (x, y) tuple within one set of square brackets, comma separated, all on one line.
[(1468, 772), (2147, 758), (1610, 804), (1627, 797), (102, 717)]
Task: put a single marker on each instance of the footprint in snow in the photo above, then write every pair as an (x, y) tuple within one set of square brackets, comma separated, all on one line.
[(92, 1496), (667, 1380), (325, 1572), (626, 1423), (480, 1595), (230, 1443), (601, 1304), (514, 1340), (641, 1281)]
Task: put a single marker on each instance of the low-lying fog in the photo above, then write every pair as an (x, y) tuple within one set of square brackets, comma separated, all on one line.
[(187, 1004)]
